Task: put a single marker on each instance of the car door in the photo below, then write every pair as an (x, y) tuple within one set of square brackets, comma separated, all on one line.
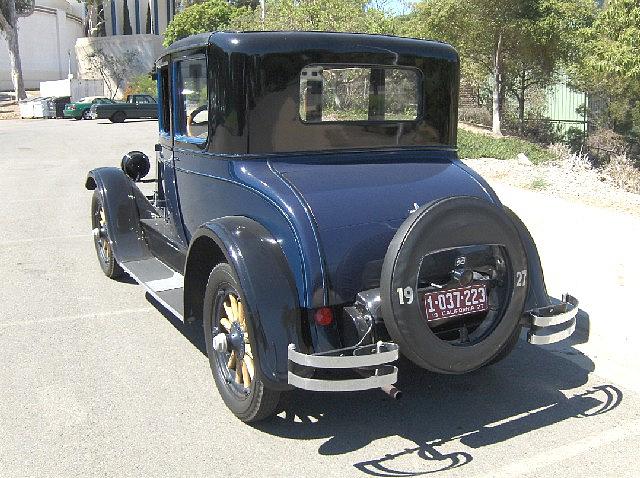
[(165, 230), (191, 131), (138, 103)]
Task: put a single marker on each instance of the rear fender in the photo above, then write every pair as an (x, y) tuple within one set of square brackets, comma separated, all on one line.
[(118, 194), (537, 296), (269, 289)]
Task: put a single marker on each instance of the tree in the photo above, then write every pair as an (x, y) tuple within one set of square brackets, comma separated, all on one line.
[(95, 7), (10, 11), (113, 69), (199, 18), (517, 42), (548, 42), (609, 66), (126, 21), (320, 15)]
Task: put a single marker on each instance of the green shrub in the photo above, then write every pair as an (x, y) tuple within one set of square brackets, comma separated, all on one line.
[(142, 84), (207, 16), (477, 145)]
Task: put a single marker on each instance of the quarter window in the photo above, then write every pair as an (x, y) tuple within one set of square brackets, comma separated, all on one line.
[(164, 98), (353, 93), (192, 115)]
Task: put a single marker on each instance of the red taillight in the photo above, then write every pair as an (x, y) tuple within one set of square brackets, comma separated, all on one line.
[(323, 316), (71, 107)]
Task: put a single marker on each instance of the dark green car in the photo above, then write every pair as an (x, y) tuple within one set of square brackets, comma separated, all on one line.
[(80, 109), (136, 106)]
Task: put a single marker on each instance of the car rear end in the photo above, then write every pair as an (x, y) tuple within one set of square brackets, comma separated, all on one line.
[(71, 110)]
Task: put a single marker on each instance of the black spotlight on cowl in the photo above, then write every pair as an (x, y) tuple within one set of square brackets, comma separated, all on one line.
[(135, 164)]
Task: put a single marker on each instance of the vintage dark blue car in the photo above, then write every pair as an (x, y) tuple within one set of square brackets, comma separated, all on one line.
[(311, 211)]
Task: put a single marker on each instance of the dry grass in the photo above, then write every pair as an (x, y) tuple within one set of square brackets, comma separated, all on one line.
[(624, 173)]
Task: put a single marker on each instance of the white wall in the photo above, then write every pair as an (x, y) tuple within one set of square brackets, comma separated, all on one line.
[(46, 38), (148, 49)]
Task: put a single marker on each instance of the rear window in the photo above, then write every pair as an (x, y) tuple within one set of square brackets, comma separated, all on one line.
[(338, 93)]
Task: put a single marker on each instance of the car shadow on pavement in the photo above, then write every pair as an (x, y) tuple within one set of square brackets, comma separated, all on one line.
[(192, 332), (134, 120), (521, 394)]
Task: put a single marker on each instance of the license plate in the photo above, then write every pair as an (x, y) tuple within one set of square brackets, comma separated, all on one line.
[(450, 303)]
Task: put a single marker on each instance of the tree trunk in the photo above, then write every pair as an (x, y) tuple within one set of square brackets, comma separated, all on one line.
[(521, 101), (9, 26), (497, 79)]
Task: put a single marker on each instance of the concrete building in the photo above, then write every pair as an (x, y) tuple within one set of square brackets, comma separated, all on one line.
[(145, 16), (47, 43)]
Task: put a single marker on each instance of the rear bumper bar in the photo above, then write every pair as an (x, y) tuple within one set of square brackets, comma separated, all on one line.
[(370, 361), (553, 323)]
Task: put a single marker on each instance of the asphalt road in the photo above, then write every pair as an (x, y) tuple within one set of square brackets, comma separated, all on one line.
[(97, 381)]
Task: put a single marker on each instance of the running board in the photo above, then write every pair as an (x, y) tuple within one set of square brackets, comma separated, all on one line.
[(160, 281)]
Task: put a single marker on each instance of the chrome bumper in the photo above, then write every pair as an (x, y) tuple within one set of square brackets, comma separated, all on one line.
[(554, 323), (371, 361)]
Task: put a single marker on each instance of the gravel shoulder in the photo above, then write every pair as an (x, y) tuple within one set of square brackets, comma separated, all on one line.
[(573, 182)]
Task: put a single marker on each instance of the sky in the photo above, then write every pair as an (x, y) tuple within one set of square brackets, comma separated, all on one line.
[(395, 6)]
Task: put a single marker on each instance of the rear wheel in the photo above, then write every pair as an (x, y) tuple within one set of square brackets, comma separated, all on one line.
[(118, 117), (231, 348), (85, 115), (101, 239)]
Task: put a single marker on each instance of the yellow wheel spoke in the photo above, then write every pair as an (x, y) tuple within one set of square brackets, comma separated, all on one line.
[(234, 306), (232, 361), (229, 312), (238, 373), (248, 363), (241, 318), (226, 323), (247, 348), (245, 375)]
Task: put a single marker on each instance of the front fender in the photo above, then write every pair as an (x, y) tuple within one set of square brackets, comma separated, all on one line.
[(269, 289), (121, 211)]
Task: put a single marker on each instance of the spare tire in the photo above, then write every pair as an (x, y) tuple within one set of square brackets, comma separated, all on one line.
[(446, 249)]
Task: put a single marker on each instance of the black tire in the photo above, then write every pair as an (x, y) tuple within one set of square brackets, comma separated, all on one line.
[(456, 222), (102, 241), (249, 404), (507, 348), (118, 117), (85, 115)]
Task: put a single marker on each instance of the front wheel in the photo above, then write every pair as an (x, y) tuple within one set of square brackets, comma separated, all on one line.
[(118, 117), (231, 348), (101, 239)]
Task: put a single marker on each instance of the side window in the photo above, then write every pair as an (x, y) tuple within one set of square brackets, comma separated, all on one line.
[(192, 106), (164, 99)]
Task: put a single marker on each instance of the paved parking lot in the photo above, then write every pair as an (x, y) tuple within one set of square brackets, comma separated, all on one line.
[(97, 381)]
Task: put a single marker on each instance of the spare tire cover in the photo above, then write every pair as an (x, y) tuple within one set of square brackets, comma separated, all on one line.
[(439, 225)]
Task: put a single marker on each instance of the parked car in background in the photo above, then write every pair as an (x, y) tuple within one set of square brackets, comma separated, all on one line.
[(80, 109), (137, 106)]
